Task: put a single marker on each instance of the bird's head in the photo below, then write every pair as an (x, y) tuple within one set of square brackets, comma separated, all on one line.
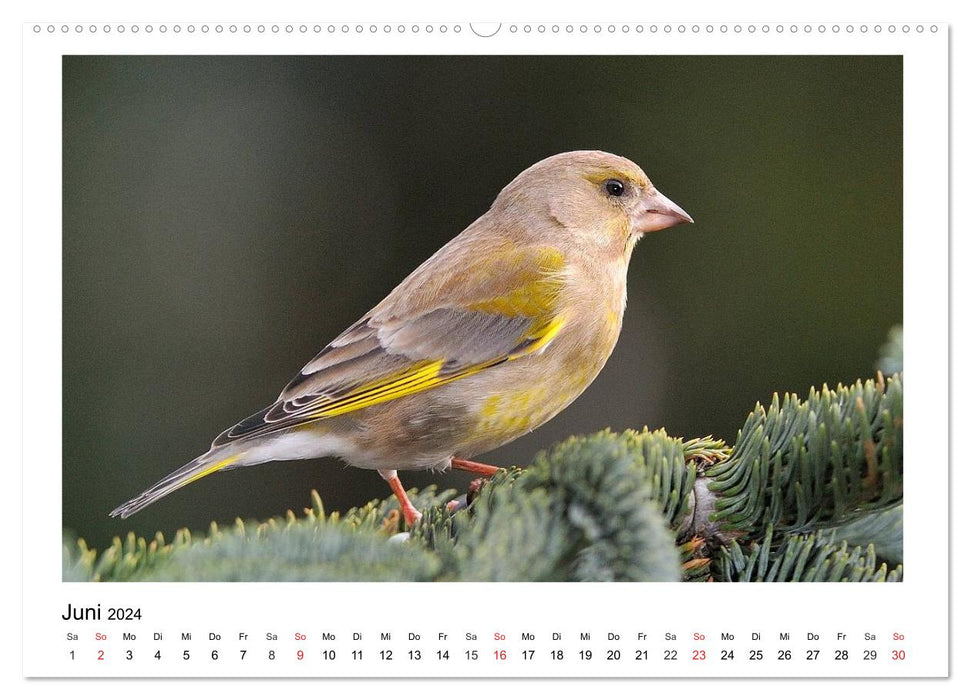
[(595, 197)]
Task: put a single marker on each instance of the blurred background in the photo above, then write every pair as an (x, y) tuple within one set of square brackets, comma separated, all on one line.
[(226, 217)]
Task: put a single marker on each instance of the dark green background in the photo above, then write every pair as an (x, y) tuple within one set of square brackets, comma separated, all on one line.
[(226, 217)]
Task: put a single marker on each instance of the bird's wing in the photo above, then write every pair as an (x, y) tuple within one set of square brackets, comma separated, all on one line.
[(446, 321)]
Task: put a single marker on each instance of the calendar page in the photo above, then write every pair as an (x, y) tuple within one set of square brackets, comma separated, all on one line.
[(439, 348)]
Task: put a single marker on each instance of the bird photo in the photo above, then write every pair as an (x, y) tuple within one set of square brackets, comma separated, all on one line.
[(480, 317), (491, 337)]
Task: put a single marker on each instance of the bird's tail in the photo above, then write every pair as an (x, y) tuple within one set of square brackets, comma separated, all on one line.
[(201, 466)]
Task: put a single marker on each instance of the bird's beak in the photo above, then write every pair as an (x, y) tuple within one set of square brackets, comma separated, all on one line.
[(658, 212)]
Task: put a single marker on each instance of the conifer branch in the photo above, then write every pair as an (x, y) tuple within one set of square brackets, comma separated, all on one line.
[(828, 460)]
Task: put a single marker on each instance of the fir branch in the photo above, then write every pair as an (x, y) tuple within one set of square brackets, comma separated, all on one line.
[(315, 547), (582, 512), (884, 530), (804, 464), (813, 557)]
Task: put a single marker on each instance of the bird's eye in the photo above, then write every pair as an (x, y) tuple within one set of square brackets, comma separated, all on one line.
[(614, 188)]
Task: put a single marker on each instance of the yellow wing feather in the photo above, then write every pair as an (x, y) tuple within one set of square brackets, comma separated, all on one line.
[(427, 375)]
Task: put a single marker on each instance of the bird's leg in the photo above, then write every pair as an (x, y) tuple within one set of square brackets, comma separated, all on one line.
[(410, 512), (474, 467)]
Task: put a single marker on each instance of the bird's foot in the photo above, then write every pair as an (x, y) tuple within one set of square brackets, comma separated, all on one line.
[(455, 504), (461, 503), (412, 514)]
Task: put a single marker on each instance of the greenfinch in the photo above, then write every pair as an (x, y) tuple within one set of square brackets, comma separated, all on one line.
[(489, 338)]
